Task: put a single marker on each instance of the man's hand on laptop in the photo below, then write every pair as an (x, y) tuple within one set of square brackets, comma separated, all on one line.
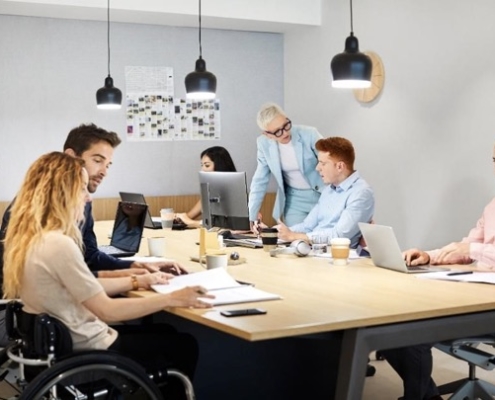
[(455, 249), (414, 257), (171, 267)]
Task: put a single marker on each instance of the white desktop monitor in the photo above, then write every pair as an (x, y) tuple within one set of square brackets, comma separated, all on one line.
[(224, 200)]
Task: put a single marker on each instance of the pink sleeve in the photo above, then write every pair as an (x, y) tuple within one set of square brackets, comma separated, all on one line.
[(451, 260), (482, 252), (477, 234)]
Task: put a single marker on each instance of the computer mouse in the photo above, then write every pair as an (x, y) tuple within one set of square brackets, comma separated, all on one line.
[(226, 234)]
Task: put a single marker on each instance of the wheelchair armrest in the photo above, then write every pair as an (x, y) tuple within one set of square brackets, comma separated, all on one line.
[(51, 336), (41, 334), (13, 308)]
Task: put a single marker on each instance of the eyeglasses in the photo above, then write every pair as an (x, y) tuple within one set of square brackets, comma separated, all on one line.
[(280, 132)]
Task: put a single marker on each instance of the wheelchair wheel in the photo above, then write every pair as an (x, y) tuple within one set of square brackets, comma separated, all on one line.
[(93, 375)]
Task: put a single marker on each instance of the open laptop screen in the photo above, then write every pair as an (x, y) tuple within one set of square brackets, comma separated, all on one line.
[(128, 226)]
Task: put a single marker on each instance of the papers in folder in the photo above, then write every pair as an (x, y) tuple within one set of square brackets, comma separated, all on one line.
[(220, 284), (478, 277)]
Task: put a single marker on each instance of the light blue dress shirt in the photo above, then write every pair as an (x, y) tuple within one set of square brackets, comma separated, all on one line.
[(339, 210)]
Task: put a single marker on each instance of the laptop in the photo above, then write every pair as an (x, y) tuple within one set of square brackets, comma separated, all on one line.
[(127, 230), (149, 222), (385, 251)]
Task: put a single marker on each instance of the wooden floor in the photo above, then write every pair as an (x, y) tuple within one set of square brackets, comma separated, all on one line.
[(386, 384)]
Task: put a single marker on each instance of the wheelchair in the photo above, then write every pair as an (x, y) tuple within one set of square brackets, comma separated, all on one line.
[(50, 370)]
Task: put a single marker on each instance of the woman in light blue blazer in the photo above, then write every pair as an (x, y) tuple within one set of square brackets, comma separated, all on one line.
[(288, 153)]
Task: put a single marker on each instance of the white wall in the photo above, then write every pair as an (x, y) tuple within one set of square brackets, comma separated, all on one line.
[(50, 70), (426, 144)]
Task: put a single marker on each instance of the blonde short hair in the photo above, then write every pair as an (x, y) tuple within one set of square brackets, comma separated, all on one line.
[(268, 113)]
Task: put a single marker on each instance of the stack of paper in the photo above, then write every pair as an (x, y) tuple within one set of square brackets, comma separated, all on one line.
[(219, 284)]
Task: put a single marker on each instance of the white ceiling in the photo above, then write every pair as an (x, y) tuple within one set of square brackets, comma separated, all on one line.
[(252, 15)]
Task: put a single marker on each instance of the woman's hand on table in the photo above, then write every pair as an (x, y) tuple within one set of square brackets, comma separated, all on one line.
[(189, 297)]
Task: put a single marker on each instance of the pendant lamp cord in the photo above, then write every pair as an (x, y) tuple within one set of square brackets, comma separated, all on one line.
[(200, 47), (352, 26), (108, 34)]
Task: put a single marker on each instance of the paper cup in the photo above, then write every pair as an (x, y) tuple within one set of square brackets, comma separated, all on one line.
[(156, 246)]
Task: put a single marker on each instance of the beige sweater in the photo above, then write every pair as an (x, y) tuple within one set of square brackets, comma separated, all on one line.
[(57, 281)]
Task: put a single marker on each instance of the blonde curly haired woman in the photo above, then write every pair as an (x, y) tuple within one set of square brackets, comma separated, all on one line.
[(44, 267)]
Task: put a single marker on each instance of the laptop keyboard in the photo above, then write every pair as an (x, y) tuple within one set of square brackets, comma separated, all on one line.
[(110, 249), (417, 267)]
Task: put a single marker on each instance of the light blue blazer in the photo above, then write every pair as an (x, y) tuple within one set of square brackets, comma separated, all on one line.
[(303, 140)]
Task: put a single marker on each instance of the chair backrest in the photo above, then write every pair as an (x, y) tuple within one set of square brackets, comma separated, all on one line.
[(41, 335)]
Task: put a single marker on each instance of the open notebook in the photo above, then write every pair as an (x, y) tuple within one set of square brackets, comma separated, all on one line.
[(219, 283)]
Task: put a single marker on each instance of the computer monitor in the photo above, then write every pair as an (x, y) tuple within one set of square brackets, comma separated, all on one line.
[(224, 200)]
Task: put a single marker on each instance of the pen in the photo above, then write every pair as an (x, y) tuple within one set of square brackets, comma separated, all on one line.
[(459, 273)]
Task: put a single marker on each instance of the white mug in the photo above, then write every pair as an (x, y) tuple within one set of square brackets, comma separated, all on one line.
[(216, 261), (156, 246)]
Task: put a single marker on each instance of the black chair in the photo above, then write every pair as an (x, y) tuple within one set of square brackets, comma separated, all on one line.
[(466, 349), (50, 369)]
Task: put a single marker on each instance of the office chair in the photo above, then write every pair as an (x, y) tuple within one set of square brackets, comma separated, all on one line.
[(49, 368), (466, 349)]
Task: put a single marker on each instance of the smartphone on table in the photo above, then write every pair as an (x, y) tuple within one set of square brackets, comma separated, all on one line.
[(244, 312)]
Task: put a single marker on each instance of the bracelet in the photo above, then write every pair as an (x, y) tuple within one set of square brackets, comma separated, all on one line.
[(135, 283)]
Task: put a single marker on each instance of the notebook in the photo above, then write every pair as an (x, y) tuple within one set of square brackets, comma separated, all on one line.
[(149, 222), (385, 251), (127, 230)]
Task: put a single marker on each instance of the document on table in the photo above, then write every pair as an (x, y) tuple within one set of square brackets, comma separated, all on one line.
[(220, 284), (478, 277)]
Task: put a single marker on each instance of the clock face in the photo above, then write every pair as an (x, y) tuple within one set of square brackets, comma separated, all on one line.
[(377, 80)]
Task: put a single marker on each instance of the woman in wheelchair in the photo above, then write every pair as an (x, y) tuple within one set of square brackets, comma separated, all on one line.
[(44, 267)]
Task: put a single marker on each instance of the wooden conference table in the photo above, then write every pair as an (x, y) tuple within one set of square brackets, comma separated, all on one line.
[(374, 308)]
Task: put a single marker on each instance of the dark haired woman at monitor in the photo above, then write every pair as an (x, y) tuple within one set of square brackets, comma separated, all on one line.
[(217, 159)]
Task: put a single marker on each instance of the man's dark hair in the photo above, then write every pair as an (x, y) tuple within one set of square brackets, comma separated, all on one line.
[(84, 136)]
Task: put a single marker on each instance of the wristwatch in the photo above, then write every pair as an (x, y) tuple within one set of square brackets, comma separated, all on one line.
[(135, 283)]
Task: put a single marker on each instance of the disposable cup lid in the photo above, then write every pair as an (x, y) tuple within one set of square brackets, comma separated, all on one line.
[(340, 241)]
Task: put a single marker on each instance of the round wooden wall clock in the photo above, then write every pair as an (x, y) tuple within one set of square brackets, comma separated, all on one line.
[(377, 80)]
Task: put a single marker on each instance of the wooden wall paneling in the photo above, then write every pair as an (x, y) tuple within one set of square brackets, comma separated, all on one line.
[(104, 209)]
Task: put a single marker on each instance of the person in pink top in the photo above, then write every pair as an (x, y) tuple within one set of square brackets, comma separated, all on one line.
[(414, 364), (478, 246)]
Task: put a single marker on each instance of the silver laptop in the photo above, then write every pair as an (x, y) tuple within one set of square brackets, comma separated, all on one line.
[(127, 230), (385, 251)]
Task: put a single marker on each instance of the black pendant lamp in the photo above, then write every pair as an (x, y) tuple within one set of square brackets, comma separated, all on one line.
[(200, 84), (108, 97), (351, 69)]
